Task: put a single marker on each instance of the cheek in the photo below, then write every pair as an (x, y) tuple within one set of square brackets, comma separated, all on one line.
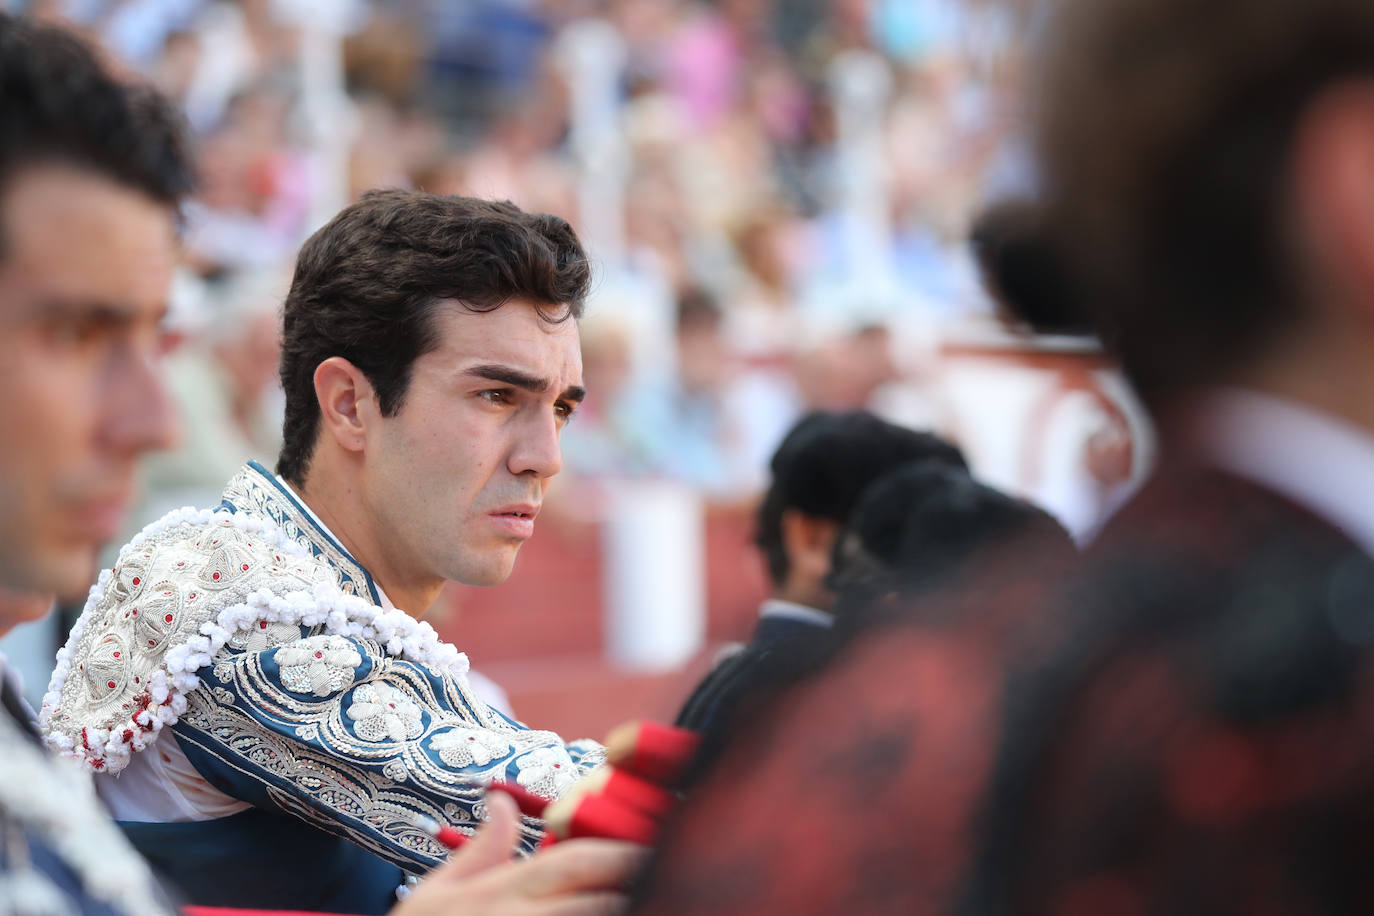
[(47, 404), (430, 465)]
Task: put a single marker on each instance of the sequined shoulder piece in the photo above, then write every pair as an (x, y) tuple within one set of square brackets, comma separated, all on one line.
[(123, 672), (254, 491)]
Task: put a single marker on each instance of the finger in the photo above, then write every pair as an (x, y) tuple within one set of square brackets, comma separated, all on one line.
[(490, 846), (597, 903), (582, 865)]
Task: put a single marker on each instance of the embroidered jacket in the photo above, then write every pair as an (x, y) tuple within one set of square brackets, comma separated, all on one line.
[(260, 642)]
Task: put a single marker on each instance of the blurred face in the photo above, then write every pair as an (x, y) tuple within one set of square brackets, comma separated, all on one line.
[(457, 476), (85, 266)]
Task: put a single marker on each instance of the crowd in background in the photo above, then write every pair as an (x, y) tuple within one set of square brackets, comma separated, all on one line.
[(778, 212), (945, 705)]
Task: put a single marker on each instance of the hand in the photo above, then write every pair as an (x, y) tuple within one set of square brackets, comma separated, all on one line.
[(573, 878)]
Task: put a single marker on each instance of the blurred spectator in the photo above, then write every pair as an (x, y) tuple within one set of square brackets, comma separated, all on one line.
[(926, 528), (819, 473), (708, 422), (1019, 267), (889, 746), (603, 442)]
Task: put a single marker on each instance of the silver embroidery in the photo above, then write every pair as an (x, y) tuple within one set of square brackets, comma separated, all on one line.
[(320, 665), (461, 747), (547, 771), (380, 712)]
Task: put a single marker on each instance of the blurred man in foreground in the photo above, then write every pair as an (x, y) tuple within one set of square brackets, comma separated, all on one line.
[(852, 792), (1199, 739), (90, 177)]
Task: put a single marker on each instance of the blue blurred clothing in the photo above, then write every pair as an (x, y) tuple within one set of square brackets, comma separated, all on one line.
[(59, 851)]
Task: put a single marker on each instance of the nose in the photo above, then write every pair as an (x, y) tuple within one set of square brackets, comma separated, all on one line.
[(536, 450), (139, 415)]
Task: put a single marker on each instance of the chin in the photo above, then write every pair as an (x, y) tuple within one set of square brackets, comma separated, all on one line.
[(493, 573), (68, 577), (486, 578), (22, 607)]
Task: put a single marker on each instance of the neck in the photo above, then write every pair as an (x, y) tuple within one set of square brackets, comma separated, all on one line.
[(1329, 373), (813, 595), (340, 503)]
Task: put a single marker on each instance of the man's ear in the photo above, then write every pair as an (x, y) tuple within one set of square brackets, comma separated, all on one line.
[(808, 541), (346, 402), (1334, 188)]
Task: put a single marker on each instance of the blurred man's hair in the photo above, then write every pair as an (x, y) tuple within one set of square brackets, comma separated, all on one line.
[(928, 527), (368, 283), (825, 462), (59, 105), (1022, 271), (1165, 135)]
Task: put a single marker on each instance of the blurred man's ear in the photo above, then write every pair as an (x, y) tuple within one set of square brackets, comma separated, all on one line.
[(808, 542), (1333, 193)]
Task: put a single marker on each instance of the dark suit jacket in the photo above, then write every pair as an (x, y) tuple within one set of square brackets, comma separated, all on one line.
[(780, 650), (1201, 738)]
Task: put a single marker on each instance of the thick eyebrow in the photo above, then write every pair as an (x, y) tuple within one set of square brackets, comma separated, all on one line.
[(524, 381), (100, 313)]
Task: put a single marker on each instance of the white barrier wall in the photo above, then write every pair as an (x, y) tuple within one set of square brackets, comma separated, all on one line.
[(655, 574)]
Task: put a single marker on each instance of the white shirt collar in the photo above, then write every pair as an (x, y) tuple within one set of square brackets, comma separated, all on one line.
[(381, 595), (1320, 462), (776, 607)]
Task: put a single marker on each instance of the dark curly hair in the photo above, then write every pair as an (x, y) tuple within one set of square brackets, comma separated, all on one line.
[(367, 284), (927, 527), (59, 104), (824, 464)]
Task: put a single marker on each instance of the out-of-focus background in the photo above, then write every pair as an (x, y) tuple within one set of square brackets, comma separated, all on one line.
[(777, 197)]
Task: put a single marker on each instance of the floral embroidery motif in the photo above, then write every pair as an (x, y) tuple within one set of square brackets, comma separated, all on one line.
[(264, 635), (461, 747), (380, 711), (547, 771), (321, 665)]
